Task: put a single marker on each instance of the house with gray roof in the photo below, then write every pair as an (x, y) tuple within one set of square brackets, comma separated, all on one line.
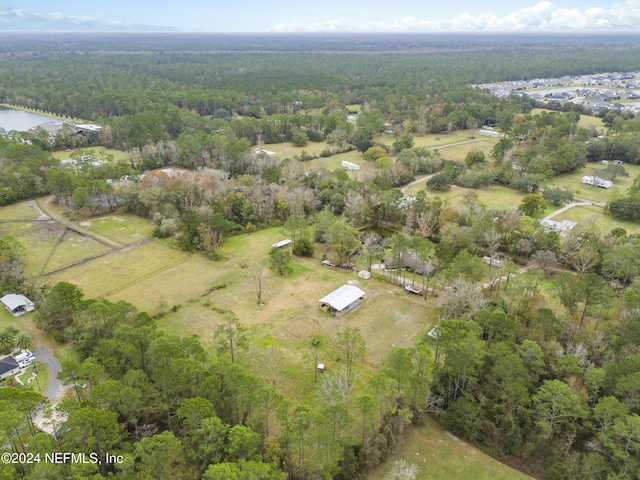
[(17, 304), (8, 367)]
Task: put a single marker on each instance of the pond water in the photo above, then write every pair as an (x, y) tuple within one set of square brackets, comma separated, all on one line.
[(12, 119)]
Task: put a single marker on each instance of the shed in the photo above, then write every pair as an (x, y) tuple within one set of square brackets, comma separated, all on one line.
[(342, 300), (350, 166), (365, 274), (17, 304), (8, 367)]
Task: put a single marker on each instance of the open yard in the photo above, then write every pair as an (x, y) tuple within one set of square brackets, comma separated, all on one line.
[(99, 153), (437, 454), (573, 182), (587, 215), (495, 196), (586, 121)]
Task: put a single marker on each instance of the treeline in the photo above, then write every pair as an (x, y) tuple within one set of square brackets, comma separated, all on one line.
[(173, 409), (22, 171)]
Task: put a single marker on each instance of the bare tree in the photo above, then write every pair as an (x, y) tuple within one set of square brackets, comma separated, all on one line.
[(402, 470), (335, 387), (463, 300), (545, 258), (258, 279)]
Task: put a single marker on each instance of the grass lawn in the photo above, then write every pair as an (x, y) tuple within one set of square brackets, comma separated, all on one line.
[(588, 215), (98, 152), (20, 211), (26, 323), (288, 150), (459, 152), (586, 121), (573, 182), (123, 228), (439, 140), (73, 248), (101, 276), (497, 195), (440, 455)]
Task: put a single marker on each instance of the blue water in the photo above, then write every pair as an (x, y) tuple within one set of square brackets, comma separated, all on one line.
[(12, 119)]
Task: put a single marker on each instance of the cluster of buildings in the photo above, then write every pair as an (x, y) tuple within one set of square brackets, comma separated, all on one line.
[(597, 92)]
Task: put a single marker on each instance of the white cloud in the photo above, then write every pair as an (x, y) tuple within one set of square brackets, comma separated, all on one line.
[(21, 19), (543, 16)]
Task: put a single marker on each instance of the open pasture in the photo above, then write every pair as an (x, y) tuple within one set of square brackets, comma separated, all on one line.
[(101, 276), (459, 151), (122, 228), (73, 248)]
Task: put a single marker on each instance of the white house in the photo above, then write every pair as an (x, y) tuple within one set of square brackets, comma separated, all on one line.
[(597, 182), (17, 304), (350, 166)]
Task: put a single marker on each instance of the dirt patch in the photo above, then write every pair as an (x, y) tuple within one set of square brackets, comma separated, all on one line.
[(303, 327)]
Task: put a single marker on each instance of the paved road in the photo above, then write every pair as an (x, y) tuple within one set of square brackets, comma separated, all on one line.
[(55, 389), (415, 182)]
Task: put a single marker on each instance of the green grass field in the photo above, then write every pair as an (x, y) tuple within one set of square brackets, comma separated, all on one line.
[(586, 121), (573, 182), (442, 456), (594, 217), (496, 195), (98, 152), (123, 228)]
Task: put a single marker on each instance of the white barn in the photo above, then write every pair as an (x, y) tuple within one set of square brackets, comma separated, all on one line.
[(350, 166), (342, 300), (490, 133)]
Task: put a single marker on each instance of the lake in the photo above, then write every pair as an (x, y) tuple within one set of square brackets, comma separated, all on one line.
[(12, 119)]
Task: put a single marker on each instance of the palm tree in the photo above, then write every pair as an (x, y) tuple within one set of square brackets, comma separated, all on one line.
[(23, 341), (7, 336)]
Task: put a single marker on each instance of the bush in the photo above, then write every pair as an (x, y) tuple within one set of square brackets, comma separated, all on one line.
[(303, 248), (439, 182), (325, 153), (300, 139), (626, 208), (315, 136)]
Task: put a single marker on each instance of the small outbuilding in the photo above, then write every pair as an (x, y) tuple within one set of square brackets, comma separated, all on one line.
[(8, 367), (282, 243), (364, 274), (350, 166), (17, 304), (342, 300)]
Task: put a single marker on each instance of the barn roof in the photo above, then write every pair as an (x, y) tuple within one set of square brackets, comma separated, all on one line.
[(13, 301), (342, 297)]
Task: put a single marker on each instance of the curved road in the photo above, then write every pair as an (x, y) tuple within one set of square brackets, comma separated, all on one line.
[(54, 389)]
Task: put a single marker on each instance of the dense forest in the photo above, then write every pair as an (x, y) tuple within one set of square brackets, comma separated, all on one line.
[(535, 355)]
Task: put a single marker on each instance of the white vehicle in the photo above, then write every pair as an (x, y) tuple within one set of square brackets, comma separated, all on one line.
[(25, 363), (22, 355)]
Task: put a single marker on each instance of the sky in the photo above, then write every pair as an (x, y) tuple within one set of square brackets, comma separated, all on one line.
[(321, 16)]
